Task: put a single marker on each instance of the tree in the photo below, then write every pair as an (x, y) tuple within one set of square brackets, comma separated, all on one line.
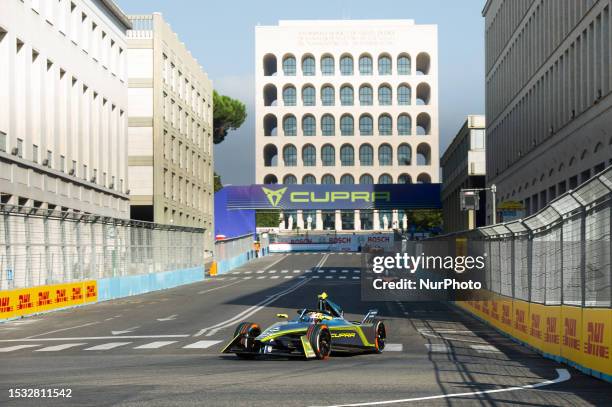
[(228, 114), (217, 182), (267, 219), (425, 220)]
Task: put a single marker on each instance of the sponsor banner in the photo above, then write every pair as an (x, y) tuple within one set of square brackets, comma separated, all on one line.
[(506, 313), (551, 329), (536, 325), (596, 339), (571, 333), (331, 197), (521, 320), (332, 242)]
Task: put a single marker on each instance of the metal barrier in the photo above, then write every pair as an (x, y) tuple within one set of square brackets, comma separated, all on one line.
[(234, 252), (43, 247)]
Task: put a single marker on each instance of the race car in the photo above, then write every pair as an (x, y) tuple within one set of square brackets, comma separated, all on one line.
[(314, 334)]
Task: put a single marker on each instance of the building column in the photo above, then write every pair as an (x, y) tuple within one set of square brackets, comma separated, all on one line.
[(300, 219), (357, 220), (319, 220), (281, 220), (395, 220), (338, 220), (376, 220)]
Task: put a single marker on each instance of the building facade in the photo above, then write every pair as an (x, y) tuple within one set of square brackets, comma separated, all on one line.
[(346, 102), (170, 129), (548, 100), (63, 116), (464, 167)]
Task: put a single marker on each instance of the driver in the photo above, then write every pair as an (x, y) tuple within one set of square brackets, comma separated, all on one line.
[(314, 316)]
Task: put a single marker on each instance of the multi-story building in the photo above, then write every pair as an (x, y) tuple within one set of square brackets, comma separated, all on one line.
[(548, 100), (464, 167), (346, 102), (63, 116), (170, 128)]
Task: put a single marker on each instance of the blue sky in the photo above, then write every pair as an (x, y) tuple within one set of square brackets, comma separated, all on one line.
[(221, 36)]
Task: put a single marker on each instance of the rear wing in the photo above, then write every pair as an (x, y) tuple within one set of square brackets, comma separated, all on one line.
[(369, 317)]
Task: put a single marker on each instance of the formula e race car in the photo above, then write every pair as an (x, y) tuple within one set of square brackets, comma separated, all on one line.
[(315, 333)]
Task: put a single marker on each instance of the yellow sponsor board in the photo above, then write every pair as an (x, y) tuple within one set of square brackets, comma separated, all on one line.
[(596, 339), (8, 305), (505, 315), (571, 333), (551, 329), (495, 310), (536, 331), (520, 320)]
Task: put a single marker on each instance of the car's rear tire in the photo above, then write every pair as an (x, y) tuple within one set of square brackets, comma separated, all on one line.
[(320, 340), (380, 336), (249, 331)]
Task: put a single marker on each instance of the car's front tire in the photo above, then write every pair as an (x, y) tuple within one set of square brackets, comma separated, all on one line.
[(320, 340), (248, 331), (380, 336)]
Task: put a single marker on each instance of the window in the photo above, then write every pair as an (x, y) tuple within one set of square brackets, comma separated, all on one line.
[(404, 154), (366, 179), (290, 156), (308, 66), (49, 158), (347, 156), (404, 125), (327, 95), (328, 156), (346, 95), (328, 125), (403, 65), (35, 153), (404, 95), (2, 141), (366, 127), (347, 179), (366, 95), (346, 65), (346, 125), (62, 163), (309, 126), (385, 179), (384, 95), (309, 155), (385, 125), (478, 139), (365, 65), (289, 96), (366, 155), (309, 179), (385, 155), (19, 148), (328, 179), (327, 65), (289, 66), (290, 125), (384, 65), (308, 95), (289, 180), (404, 179)]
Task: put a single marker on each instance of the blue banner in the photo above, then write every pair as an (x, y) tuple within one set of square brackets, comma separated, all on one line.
[(331, 197)]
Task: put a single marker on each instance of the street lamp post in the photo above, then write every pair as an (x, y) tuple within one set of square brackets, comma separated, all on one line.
[(474, 206)]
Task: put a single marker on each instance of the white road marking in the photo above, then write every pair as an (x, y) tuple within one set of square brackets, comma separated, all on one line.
[(273, 277), (562, 376), (57, 348), (485, 348), (437, 347), (344, 271), (301, 276), (284, 271), (356, 271), (65, 329), (315, 277), (342, 277), (232, 278), (332, 271), (247, 278), (217, 288), (248, 272), (220, 278), (272, 271), (107, 346), (125, 331), (437, 334), (288, 276), (155, 345), (394, 347), (261, 277), (307, 271), (201, 345), (17, 347), (329, 277), (356, 277), (87, 338), (320, 271), (169, 318), (260, 271), (274, 263), (296, 271)]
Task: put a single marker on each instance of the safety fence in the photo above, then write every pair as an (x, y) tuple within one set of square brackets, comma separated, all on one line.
[(234, 252), (549, 276)]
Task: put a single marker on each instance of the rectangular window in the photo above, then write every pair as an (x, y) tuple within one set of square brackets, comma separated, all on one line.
[(19, 148), (2, 141), (62, 167), (95, 175), (35, 153), (49, 159), (74, 168), (84, 174)]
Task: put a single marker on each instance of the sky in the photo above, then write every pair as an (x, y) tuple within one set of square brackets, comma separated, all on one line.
[(222, 37)]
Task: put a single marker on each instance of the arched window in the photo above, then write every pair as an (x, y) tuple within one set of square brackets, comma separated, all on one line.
[(289, 180), (404, 125), (385, 179), (347, 156), (384, 95), (422, 64), (366, 155), (269, 65), (327, 95), (346, 65), (385, 155), (404, 154), (308, 95), (309, 179), (347, 179), (366, 179), (308, 66), (270, 155), (385, 125), (366, 128), (423, 124), (384, 65), (328, 155), (289, 65), (423, 179), (270, 179), (404, 95), (366, 97), (290, 125), (270, 125), (404, 179), (347, 125), (270, 95), (346, 95), (290, 156), (423, 94), (327, 65), (309, 126), (423, 154), (289, 96), (403, 65), (309, 155), (328, 125), (365, 65), (328, 179)]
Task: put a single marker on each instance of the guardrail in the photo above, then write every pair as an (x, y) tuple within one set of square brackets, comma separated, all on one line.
[(233, 252)]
